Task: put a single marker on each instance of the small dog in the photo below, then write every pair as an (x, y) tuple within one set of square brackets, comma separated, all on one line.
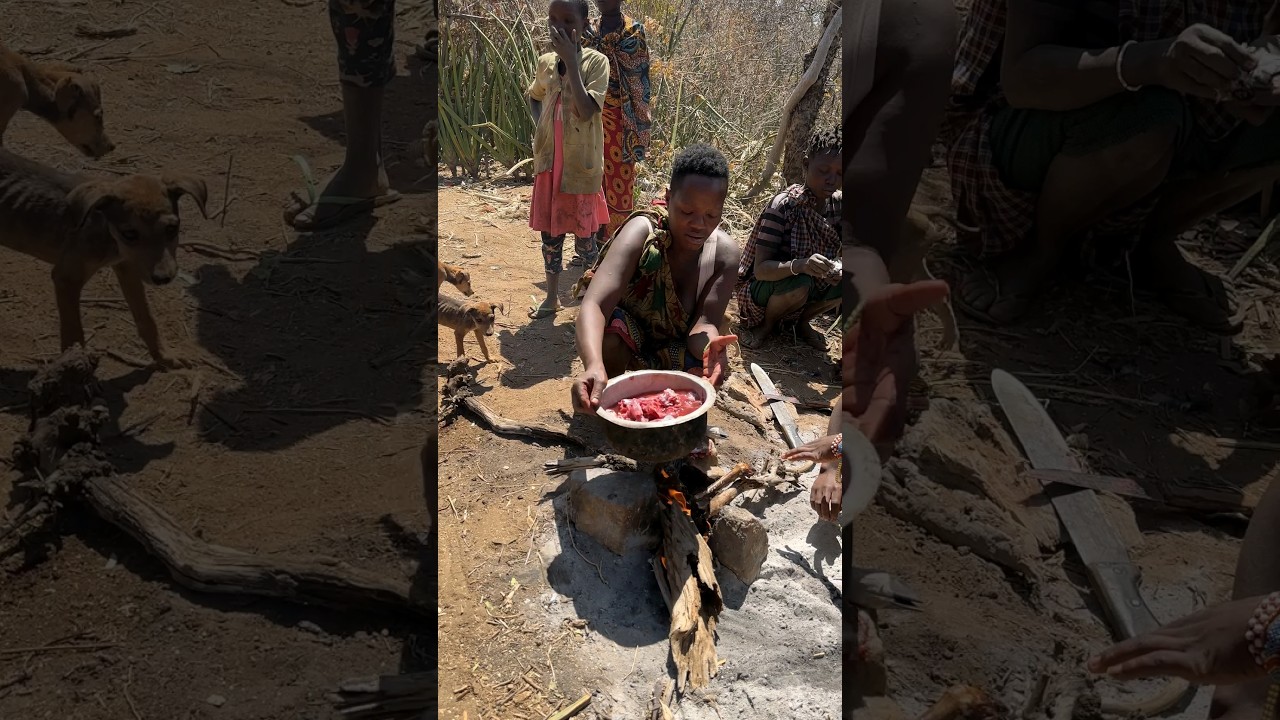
[(63, 95), (81, 225), (460, 278), (465, 317)]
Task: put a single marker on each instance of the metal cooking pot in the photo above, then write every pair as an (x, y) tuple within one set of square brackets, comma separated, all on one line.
[(662, 440)]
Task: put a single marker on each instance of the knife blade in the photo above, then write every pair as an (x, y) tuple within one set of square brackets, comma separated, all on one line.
[(781, 413), (1113, 576)]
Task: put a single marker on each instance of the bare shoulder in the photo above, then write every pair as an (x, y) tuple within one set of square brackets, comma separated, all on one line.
[(727, 251)]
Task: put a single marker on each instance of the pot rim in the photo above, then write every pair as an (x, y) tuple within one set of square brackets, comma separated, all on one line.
[(708, 399)]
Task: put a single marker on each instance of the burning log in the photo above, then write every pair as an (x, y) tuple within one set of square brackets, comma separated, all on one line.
[(686, 576)]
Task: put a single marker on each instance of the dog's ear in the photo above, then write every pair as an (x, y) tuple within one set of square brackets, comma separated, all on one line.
[(87, 198), (67, 93), (183, 184)]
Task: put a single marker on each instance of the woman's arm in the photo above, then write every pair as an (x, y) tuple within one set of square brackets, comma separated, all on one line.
[(606, 288), (1037, 72), (581, 103), (769, 234), (535, 109), (711, 312)]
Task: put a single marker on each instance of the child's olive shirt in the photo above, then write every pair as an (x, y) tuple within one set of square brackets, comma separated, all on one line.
[(583, 171)]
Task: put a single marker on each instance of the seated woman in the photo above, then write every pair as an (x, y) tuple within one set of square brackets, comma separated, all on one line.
[(657, 295), (1096, 134), (788, 269)]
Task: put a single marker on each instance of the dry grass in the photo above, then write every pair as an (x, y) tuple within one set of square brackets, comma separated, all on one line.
[(720, 73)]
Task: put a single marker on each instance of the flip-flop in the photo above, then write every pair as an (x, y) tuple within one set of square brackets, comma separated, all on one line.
[(542, 310), (351, 207)]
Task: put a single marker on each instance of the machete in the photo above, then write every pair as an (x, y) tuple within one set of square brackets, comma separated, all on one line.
[(1111, 573), (781, 413), (1101, 549)]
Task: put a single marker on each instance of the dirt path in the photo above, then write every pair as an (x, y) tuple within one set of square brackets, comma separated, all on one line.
[(1143, 396), (299, 445), (527, 623)]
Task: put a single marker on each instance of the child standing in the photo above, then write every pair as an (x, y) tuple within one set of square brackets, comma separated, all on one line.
[(565, 97)]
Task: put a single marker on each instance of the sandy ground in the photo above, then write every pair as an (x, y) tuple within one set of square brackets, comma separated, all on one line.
[(514, 590), (300, 446), (1143, 396)]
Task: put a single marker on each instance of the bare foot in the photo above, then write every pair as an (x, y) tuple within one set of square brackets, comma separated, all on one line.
[(1004, 292), (756, 340), (811, 337)]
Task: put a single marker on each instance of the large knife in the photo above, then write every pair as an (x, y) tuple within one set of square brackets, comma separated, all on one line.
[(781, 413), (1113, 576)]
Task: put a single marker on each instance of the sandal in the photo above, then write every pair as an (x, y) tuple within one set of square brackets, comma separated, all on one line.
[(1206, 308), (542, 310), (350, 207), (577, 261), (1018, 304)]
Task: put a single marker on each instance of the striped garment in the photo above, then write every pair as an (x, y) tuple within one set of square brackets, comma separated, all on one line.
[(793, 226)]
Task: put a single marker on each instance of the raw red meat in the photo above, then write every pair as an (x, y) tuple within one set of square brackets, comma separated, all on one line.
[(653, 406)]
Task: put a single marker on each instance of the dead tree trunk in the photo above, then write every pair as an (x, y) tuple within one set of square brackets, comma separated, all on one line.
[(807, 109), (828, 41)]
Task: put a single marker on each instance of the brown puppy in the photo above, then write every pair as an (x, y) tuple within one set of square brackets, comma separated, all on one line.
[(62, 94), (460, 278), (81, 225), (465, 317)]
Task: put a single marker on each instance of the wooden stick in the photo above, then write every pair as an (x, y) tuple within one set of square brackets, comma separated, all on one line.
[(56, 648), (742, 469), (503, 426), (226, 192), (1254, 249), (205, 567), (573, 709)]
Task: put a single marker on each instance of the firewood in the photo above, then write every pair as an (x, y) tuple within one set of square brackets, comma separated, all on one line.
[(740, 470), (212, 568), (694, 595)]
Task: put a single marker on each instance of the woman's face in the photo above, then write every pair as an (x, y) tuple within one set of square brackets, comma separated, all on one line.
[(694, 209), (564, 15), (608, 7), (824, 173)]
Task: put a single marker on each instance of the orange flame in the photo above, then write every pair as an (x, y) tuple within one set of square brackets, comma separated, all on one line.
[(676, 497)]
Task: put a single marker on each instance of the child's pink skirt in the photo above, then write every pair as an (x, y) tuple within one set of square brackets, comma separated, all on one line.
[(556, 213)]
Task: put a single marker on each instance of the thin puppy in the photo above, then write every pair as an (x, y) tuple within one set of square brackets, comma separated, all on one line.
[(81, 225), (453, 274), (465, 317), (63, 95)]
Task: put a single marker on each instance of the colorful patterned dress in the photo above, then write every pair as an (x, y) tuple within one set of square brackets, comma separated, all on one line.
[(649, 317), (626, 115)]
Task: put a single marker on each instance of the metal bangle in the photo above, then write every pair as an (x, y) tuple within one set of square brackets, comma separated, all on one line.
[(1119, 65)]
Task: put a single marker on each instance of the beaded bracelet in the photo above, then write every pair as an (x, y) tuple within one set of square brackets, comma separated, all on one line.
[(1263, 635), (837, 445)]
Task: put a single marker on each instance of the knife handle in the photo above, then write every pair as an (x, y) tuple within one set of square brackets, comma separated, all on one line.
[(1117, 587)]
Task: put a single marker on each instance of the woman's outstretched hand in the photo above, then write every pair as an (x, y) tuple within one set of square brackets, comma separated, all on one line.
[(715, 359), (880, 358), (1207, 648)]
